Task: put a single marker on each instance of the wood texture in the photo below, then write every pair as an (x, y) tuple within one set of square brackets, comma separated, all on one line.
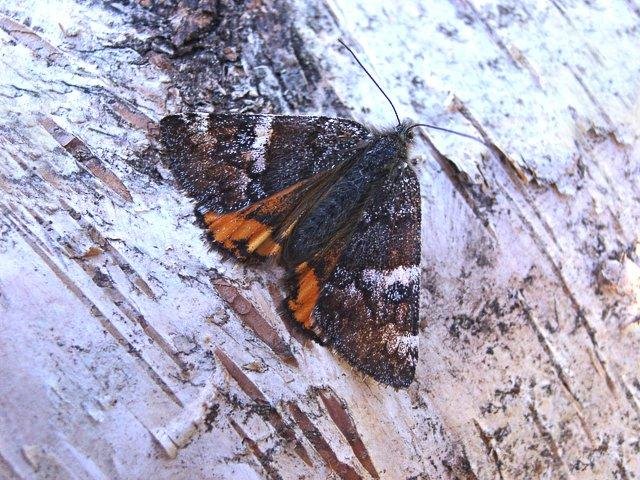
[(128, 350)]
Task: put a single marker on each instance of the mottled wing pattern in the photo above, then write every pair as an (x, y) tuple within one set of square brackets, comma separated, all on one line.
[(361, 294), (248, 173), (227, 162)]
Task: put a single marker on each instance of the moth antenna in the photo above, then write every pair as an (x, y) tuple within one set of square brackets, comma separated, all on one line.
[(434, 127), (372, 79), (426, 125)]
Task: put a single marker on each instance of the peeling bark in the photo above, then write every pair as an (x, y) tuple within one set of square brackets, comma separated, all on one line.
[(130, 350)]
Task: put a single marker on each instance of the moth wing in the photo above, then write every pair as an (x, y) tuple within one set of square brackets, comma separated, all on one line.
[(361, 294), (227, 162), (247, 173), (260, 229)]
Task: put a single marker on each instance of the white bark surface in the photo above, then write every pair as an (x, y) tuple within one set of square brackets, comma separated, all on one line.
[(129, 350)]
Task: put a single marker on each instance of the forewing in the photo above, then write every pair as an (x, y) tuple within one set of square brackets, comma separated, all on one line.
[(227, 162), (361, 295)]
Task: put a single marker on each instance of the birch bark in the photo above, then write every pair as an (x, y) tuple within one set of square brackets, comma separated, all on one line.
[(131, 351)]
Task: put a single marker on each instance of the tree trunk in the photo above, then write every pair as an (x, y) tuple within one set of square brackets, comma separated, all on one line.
[(130, 350)]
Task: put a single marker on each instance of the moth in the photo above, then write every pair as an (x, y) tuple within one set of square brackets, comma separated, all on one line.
[(335, 202)]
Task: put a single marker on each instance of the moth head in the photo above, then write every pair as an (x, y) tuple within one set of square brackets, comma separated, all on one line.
[(403, 129)]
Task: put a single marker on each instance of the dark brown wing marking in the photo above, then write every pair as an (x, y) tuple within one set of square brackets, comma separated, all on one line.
[(227, 162)]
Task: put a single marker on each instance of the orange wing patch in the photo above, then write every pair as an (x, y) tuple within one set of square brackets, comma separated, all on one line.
[(247, 231), (310, 278), (230, 229), (307, 295)]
